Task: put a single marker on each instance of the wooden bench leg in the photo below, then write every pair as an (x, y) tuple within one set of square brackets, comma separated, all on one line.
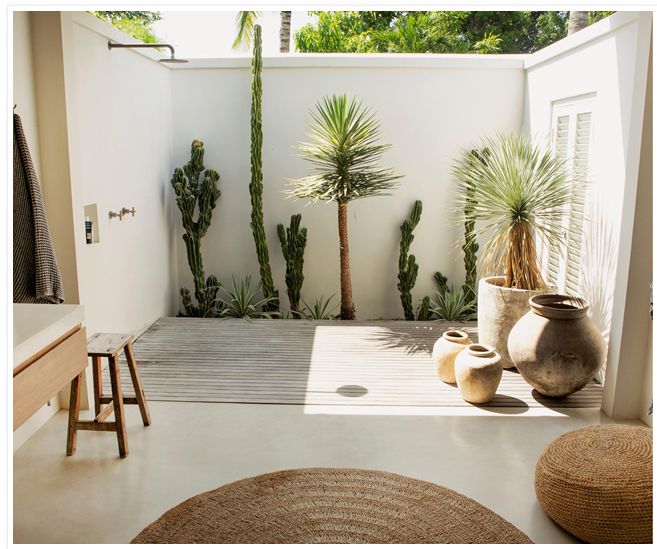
[(119, 415), (73, 415), (98, 383), (136, 383)]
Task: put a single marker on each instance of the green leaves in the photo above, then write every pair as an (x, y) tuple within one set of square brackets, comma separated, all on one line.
[(245, 22), (243, 301), (344, 148), (515, 189)]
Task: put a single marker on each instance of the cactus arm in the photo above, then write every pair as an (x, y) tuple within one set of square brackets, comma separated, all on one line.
[(293, 243), (408, 268)]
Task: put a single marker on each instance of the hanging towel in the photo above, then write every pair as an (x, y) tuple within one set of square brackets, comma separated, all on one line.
[(36, 273)]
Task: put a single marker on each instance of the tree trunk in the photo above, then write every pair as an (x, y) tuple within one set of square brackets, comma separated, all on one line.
[(577, 20), (347, 310), (286, 18)]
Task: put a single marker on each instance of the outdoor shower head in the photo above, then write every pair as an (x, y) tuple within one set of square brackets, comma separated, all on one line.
[(172, 59)]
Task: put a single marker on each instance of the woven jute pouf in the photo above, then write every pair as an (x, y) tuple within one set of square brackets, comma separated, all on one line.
[(330, 506), (596, 482)]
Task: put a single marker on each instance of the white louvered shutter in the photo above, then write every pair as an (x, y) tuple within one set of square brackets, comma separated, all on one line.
[(572, 137)]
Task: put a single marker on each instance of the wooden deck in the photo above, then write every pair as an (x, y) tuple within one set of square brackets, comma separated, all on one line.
[(375, 363)]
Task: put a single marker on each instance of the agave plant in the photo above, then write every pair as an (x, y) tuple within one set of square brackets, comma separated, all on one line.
[(243, 301), (319, 310), (453, 305), (344, 149), (517, 193)]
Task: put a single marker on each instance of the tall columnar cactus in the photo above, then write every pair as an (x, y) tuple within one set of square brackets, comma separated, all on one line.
[(293, 242), (408, 267), (470, 246), (255, 187), (192, 192)]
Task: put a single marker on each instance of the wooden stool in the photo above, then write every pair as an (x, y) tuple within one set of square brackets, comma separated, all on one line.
[(108, 346)]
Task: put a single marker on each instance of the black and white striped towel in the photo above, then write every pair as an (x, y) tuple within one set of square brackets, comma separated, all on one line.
[(36, 273)]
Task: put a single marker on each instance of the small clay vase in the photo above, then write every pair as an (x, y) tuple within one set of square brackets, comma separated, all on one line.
[(478, 373), (445, 350), (556, 346)]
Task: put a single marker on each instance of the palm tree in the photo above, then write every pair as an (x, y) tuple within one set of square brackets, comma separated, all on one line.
[(577, 20), (343, 147), (246, 21), (284, 33)]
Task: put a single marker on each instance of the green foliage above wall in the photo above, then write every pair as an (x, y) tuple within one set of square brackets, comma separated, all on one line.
[(135, 23), (434, 31)]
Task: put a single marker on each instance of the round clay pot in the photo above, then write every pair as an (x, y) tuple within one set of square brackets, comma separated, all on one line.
[(556, 347), (445, 350), (478, 373), (498, 310)]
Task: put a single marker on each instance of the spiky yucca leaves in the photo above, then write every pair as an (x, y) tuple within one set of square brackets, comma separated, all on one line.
[(320, 309), (194, 193), (518, 191), (344, 149), (243, 301), (452, 305), (408, 268), (293, 243), (255, 186)]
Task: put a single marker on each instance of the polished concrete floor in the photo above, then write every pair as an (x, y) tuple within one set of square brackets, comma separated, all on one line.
[(96, 497)]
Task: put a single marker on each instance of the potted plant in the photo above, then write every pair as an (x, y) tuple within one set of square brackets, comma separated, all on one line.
[(518, 193)]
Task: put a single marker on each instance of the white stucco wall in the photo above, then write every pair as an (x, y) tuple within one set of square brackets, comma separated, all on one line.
[(120, 137), (428, 108), (607, 62)]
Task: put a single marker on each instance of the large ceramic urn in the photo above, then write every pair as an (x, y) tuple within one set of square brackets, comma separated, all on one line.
[(498, 310), (556, 346)]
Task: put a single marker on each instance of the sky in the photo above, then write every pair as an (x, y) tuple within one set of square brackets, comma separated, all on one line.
[(197, 34)]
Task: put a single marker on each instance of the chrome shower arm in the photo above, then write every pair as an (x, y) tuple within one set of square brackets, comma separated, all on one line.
[(111, 45)]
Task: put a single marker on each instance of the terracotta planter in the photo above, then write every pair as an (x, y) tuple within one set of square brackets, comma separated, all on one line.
[(478, 373), (445, 350), (555, 346), (498, 310)]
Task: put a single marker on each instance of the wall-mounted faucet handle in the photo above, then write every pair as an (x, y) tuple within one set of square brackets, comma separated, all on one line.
[(126, 211)]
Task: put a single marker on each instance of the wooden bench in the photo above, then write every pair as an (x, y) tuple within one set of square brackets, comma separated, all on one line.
[(107, 346)]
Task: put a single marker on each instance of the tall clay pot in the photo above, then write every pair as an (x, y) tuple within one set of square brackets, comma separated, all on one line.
[(445, 350), (555, 346), (498, 310), (478, 373)]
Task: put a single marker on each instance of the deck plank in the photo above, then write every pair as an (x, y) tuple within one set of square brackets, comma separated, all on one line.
[(375, 363)]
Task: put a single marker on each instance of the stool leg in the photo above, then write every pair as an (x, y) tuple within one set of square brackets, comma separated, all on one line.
[(136, 383), (73, 415), (117, 396), (98, 382)]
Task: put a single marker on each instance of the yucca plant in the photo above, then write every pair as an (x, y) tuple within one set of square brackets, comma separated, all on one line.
[(243, 301), (517, 193), (454, 306), (320, 309), (344, 149)]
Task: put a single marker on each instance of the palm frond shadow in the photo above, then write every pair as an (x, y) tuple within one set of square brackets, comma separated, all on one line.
[(416, 339)]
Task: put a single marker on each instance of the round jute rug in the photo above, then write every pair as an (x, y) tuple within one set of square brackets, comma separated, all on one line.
[(330, 506)]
